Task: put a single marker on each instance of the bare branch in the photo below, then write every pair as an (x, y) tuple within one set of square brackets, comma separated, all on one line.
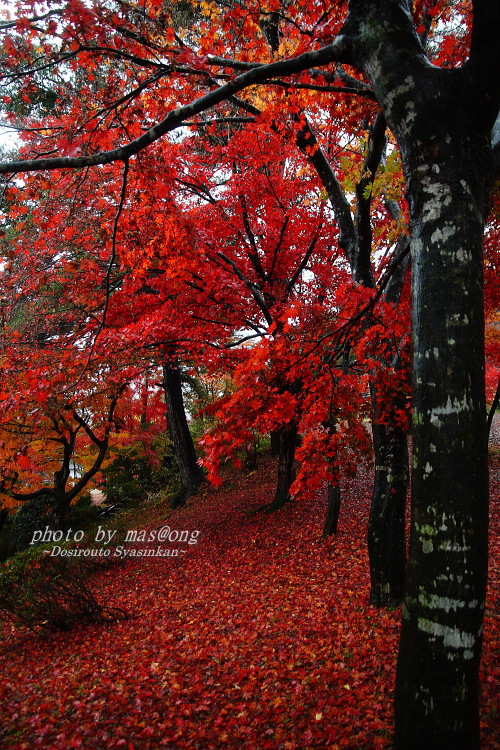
[(376, 144), (308, 144), (303, 262), (278, 245)]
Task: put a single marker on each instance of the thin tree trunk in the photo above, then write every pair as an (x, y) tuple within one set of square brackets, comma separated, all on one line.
[(4, 514), (332, 510), (386, 527), (387, 523), (387, 568), (61, 499), (275, 442), (286, 465), (251, 455), (191, 472), (333, 489), (493, 408)]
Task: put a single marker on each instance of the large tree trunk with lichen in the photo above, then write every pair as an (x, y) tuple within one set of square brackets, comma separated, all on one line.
[(441, 635), (445, 148), (442, 120), (190, 471)]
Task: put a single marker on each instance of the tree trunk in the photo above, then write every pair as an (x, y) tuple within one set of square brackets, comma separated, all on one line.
[(441, 636), (286, 465), (190, 471), (60, 509), (4, 514), (62, 498), (333, 490), (275, 442), (442, 120), (332, 510), (386, 527), (493, 408), (251, 455), (387, 553)]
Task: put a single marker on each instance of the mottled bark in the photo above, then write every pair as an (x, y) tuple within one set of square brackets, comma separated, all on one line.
[(441, 635), (190, 471), (442, 120)]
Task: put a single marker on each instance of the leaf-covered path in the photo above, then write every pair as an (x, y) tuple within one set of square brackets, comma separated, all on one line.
[(259, 637)]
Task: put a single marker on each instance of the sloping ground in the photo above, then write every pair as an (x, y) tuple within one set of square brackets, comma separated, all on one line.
[(258, 637)]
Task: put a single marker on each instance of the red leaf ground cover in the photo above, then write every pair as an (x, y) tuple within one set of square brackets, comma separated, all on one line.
[(259, 637)]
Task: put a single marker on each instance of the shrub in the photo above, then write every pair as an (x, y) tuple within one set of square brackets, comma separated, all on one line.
[(83, 513), (7, 544), (33, 515), (44, 592), (132, 474)]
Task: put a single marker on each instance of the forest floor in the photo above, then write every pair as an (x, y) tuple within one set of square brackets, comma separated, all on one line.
[(259, 636)]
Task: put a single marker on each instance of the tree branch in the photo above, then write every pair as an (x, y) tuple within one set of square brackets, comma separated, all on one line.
[(107, 279), (376, 144), (306, 141), (254, 253), (495, 145), (493, 409), (339, 50), (102, 445), (278, 246), (256, 294), (303, 262)]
